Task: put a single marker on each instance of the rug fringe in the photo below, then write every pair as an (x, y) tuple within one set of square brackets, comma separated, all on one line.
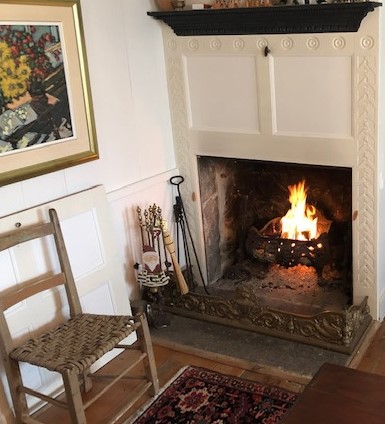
[(144, 407)]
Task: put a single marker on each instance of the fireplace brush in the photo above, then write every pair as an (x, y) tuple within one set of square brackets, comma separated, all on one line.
[(183, 226), (169, 243)]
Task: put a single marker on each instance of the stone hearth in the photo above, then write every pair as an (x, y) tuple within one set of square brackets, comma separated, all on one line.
[(233, 345)]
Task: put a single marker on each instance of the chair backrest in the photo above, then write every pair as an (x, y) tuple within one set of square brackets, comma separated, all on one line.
[(30, 288)]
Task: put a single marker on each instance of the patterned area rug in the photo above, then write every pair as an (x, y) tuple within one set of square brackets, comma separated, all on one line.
[(200, 396)]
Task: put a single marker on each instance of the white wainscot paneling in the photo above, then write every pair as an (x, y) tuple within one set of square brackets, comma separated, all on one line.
[(35, 258), (301, 91), (31, 376), (8, 277), (26, 261), (83, 243), (98, 301), (222, 93)]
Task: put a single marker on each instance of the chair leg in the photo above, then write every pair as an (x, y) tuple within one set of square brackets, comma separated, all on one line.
[(74, 398), (87, 381), (18, 397), (146, 345)]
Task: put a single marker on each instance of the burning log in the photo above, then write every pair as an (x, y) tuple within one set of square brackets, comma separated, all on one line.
[(274, 229), (287, 252), (299, 237)]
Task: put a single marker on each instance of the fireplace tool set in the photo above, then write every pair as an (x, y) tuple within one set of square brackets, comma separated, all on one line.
[(153, 274), (183, 230)]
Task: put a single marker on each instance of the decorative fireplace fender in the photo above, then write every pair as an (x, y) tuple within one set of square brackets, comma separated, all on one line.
[(335, 330), (318, 18)]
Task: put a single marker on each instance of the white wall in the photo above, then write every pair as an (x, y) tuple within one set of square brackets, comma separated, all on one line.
[(127, 75)]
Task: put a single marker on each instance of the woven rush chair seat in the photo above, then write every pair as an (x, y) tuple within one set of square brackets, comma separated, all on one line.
[(77, 343)]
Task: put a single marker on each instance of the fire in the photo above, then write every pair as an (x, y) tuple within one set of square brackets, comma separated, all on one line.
[(300, 222)]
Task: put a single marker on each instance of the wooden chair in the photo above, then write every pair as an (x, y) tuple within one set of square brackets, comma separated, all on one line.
[(72, 347)]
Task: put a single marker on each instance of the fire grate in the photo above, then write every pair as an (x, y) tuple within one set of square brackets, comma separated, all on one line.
[(289, 252)]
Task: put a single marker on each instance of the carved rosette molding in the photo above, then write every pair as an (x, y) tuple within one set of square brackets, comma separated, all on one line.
[(367, 42), (312, 43), (215, 44), (286, 43), (239, 44), (339, 43), (339, 331), (366, 153), (261, 43), (193, 44)]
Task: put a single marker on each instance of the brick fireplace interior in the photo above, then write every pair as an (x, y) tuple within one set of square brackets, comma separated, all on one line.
[(242, 202)]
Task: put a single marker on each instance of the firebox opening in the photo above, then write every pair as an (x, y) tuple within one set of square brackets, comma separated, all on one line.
[(251, 248)]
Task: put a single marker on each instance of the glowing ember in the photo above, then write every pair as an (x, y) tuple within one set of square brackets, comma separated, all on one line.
[(300, 222)]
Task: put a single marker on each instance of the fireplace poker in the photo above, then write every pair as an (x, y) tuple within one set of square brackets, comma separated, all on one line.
[(178, 215), (181, 220)]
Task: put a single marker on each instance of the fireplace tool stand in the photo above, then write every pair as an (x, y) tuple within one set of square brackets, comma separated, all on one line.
[(183, 230), (153, 273)]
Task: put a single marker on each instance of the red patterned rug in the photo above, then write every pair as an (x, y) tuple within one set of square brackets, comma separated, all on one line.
[(200, 396)]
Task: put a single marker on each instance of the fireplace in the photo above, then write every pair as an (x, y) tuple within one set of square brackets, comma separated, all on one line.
[(261, 279), (244, 203), (289, 108), (261, 275)]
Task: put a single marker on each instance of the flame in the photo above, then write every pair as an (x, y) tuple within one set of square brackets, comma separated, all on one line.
[(300, 222)]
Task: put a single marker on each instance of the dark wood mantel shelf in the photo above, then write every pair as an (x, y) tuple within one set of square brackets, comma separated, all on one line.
[(317, 18)]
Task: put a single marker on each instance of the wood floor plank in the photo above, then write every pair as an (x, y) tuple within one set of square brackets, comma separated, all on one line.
[(373, 360)]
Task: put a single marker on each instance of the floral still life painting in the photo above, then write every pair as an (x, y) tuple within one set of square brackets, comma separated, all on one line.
[(34, 104), (46, 113)]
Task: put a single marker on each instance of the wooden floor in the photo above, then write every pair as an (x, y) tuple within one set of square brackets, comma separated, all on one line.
[(370, 357)]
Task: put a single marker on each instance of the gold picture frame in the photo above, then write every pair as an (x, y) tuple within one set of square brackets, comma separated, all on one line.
[(46, 114)]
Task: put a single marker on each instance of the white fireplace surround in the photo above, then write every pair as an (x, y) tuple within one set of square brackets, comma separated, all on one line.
[(313, 99)]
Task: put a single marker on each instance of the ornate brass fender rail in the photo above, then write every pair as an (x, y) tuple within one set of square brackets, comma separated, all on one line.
[(314, 18), (338, 331)]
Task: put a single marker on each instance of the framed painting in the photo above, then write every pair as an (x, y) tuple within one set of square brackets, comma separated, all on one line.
[(46, 115)]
